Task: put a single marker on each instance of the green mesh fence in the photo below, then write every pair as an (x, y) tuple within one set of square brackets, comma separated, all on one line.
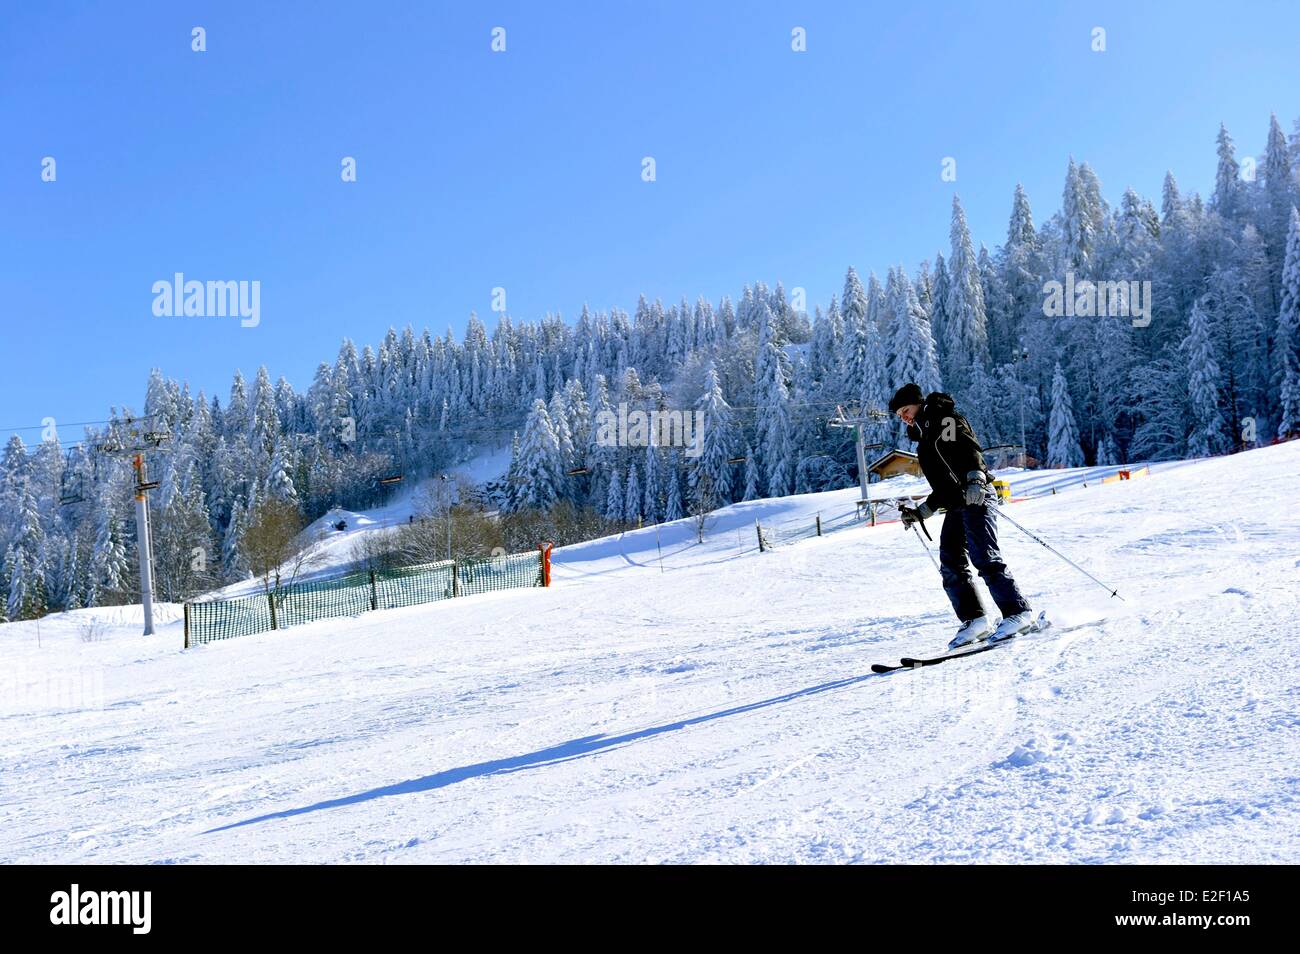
[(499, 573), (225, 619), (416, 584), (356, 593), (323, 599)]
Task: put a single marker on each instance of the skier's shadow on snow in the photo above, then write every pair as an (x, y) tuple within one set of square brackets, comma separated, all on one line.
[(564, 752)]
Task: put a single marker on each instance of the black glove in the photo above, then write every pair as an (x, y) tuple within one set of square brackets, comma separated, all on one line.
[(913, 515), (975, 488)]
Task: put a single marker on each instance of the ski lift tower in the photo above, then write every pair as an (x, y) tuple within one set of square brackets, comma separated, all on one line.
[(855, 420), (131, 437)]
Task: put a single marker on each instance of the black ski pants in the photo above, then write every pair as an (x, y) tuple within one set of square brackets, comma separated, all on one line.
[(973, 532)]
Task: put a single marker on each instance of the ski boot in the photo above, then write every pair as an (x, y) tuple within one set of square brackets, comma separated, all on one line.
[(971, 631)]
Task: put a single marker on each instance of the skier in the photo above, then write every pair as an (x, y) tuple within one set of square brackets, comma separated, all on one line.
[(953, 462)]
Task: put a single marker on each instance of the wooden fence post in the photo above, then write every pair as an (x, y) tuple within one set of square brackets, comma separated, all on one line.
[(374, 592), (455, 578), (187, 625), (759, 530), (819, 525)]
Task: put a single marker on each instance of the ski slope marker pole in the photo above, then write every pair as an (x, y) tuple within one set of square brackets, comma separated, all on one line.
[(1033, 536)]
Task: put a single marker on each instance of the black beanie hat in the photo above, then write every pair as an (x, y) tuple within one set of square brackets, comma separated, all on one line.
[(907, 394)]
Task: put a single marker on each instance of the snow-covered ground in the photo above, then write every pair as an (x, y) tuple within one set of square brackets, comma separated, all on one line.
[(668, 701)]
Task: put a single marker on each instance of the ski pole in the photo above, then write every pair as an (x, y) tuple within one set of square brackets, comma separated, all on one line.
[(928, 551), (1037, 539)]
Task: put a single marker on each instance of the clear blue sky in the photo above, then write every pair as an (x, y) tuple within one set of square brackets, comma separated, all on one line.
[(522, 169)]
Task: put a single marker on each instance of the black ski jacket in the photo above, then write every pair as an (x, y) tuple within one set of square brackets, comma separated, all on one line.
[(946, 449)]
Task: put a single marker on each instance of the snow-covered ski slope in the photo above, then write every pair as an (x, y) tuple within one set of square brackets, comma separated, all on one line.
[(717, 707)]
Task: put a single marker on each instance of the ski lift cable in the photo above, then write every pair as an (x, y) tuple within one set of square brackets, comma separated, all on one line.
[(143, 417), (112, 420)]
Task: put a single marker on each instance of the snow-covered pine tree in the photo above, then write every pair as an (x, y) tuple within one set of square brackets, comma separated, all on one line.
[(1098, 211), (279, 479), (632, 496), (1107, 452), (567, 452), (15, 572), (828, 337), (854, 302), (1171, 199), (715, 439), (965, 341), (774, 427), (539, 380), (912, 348), (1257, 381), (614, 498), (264, 425), (940, 286), (652, 495), (510, 492), (875, 388), (1280, 198), (109, 558), (1207, 435), (752, 478), (1078, 239), (1289, 404), (1138, 232), (601, 455), (1063, 448), (233, 564), (878, 313), (772, 398), (29, 534), (24, 527), (997, 309), (183, 541), (539, 460), (1286, 342), (579, 415), (71, 582), (1239, 337), (1227, 199), (673, 507), (853, 311), (1109, 363)]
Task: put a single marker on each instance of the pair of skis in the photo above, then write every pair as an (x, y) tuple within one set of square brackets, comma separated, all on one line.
[(974, 649)]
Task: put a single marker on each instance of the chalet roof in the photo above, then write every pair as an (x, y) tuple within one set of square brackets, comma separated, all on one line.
[(890, 455)]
